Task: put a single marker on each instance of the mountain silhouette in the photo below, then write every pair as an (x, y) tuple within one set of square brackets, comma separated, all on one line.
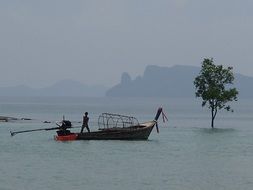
[(173, 82), (66, 87)]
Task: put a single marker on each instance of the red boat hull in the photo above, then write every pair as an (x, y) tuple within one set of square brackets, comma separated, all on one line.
[(70, 137)]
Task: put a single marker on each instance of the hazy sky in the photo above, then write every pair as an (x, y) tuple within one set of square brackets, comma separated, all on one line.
[(94, 41)]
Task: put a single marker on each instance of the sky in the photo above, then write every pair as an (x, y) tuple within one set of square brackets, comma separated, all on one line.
[(95, 41)]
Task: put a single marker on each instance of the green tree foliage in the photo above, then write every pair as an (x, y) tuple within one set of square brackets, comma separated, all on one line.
[(213, 85)]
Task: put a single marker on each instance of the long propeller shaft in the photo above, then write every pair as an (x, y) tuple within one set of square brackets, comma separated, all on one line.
[(41, 129), (26, 131)]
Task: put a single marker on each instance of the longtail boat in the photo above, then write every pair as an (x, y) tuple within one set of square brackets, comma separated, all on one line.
[(111, 127), (114, 127)]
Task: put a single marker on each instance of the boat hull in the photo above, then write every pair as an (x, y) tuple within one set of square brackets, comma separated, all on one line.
[(140, 132), (70, 137)]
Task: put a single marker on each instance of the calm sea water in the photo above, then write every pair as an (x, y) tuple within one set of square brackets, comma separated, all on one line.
[(186, 154)]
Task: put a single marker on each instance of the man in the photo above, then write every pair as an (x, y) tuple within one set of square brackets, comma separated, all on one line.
[(85, 122)]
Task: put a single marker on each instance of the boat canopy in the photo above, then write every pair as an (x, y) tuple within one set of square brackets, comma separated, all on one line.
[(110, 120)]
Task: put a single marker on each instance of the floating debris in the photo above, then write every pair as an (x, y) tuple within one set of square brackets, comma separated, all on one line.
[(6, 119)]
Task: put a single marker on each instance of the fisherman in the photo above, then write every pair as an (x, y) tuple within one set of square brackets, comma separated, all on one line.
[(85, 122)]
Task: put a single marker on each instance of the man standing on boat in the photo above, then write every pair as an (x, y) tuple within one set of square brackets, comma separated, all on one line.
[(85, 122)]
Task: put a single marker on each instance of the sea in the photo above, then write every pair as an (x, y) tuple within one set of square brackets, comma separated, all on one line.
[(186, 155)]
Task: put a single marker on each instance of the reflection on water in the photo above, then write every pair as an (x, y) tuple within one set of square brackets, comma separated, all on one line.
[(215, 130)]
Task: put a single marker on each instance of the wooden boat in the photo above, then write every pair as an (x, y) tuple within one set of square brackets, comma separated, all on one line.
[(114, 127), (139, 132)]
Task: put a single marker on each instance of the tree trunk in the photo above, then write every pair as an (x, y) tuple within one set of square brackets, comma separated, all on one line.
[(213, 116), (214, 113), (212, 122)]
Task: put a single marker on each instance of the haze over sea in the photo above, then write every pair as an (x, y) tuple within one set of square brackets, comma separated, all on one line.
[(185, 155)]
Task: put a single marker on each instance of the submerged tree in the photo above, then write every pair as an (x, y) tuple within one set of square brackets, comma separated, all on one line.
[(213, 85)]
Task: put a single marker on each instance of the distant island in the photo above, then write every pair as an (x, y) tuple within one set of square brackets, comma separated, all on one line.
[(66, 88), (173, 82)]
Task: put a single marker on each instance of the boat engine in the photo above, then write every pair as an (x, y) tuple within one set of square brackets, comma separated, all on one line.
[(63, 128)]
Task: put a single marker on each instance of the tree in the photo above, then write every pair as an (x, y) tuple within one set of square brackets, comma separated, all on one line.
[(213, 85)]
